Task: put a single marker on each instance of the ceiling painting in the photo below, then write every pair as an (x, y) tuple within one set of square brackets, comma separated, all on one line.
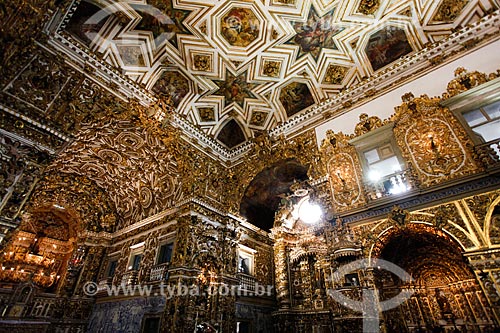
[(295, 97), (260, 63), (172, 84), (316, 34), (163, 20), (240, 27), (235, 89), (386, 46)]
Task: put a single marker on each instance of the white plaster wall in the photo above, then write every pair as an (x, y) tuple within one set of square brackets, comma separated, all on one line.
[(486, 59)]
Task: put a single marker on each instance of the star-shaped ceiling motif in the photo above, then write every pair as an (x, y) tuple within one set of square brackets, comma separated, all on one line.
[(315, 34), (235, 89), (163, 20)]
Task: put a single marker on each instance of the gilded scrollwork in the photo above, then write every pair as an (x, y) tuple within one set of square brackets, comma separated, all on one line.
[(368, 7), (465, 80), (449, 10), (367, 124), (432, 141), (344, 171)]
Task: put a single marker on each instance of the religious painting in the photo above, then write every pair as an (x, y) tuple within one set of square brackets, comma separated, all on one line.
[(85, 24), (295, 97), (240, 27), (172, 84), (316, 33), (131, 55), (163, 20), (235, 89), (386, 46)]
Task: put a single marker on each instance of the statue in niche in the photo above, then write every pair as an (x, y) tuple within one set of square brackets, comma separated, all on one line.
[(442, 301)]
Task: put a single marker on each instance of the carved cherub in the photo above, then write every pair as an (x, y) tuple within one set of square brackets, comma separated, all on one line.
[(366, 124)]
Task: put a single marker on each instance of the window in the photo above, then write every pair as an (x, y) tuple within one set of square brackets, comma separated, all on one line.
[(244, 265), (485, 121), (245, 260), (135, 262), (165, 253), (352, 279), (381, 161), (382, 164), (111, 267)]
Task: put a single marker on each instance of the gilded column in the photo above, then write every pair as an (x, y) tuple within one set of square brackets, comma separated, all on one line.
[(281, 273)]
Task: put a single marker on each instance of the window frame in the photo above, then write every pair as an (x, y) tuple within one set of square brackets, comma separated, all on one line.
[(158, 251), (136, 250), (246, 253), (470, 100), (108, 267), (376, 139)]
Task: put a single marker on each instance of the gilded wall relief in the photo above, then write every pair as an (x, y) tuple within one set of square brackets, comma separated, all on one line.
[(344, 171), (40, 82), (132, 164), (367, 124), (386, 46), (492, 224), (432, 140), (465, 80), (89, 202)]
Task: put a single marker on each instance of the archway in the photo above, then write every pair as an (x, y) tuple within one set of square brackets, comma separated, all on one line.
[(39, 252), (263, 195), (446, 294)]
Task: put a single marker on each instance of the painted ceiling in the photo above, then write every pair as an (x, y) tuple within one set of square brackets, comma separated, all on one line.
[(235, 68)]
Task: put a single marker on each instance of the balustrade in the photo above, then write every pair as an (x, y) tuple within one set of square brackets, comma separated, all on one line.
[(395, 183), (158, 273)]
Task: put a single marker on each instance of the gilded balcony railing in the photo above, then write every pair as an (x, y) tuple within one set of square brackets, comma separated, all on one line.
[(130, 277), (158, 273), (247, 282), (489, 153), (395, 183)]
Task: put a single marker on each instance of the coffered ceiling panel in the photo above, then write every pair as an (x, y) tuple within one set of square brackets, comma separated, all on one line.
[(256, 64)]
